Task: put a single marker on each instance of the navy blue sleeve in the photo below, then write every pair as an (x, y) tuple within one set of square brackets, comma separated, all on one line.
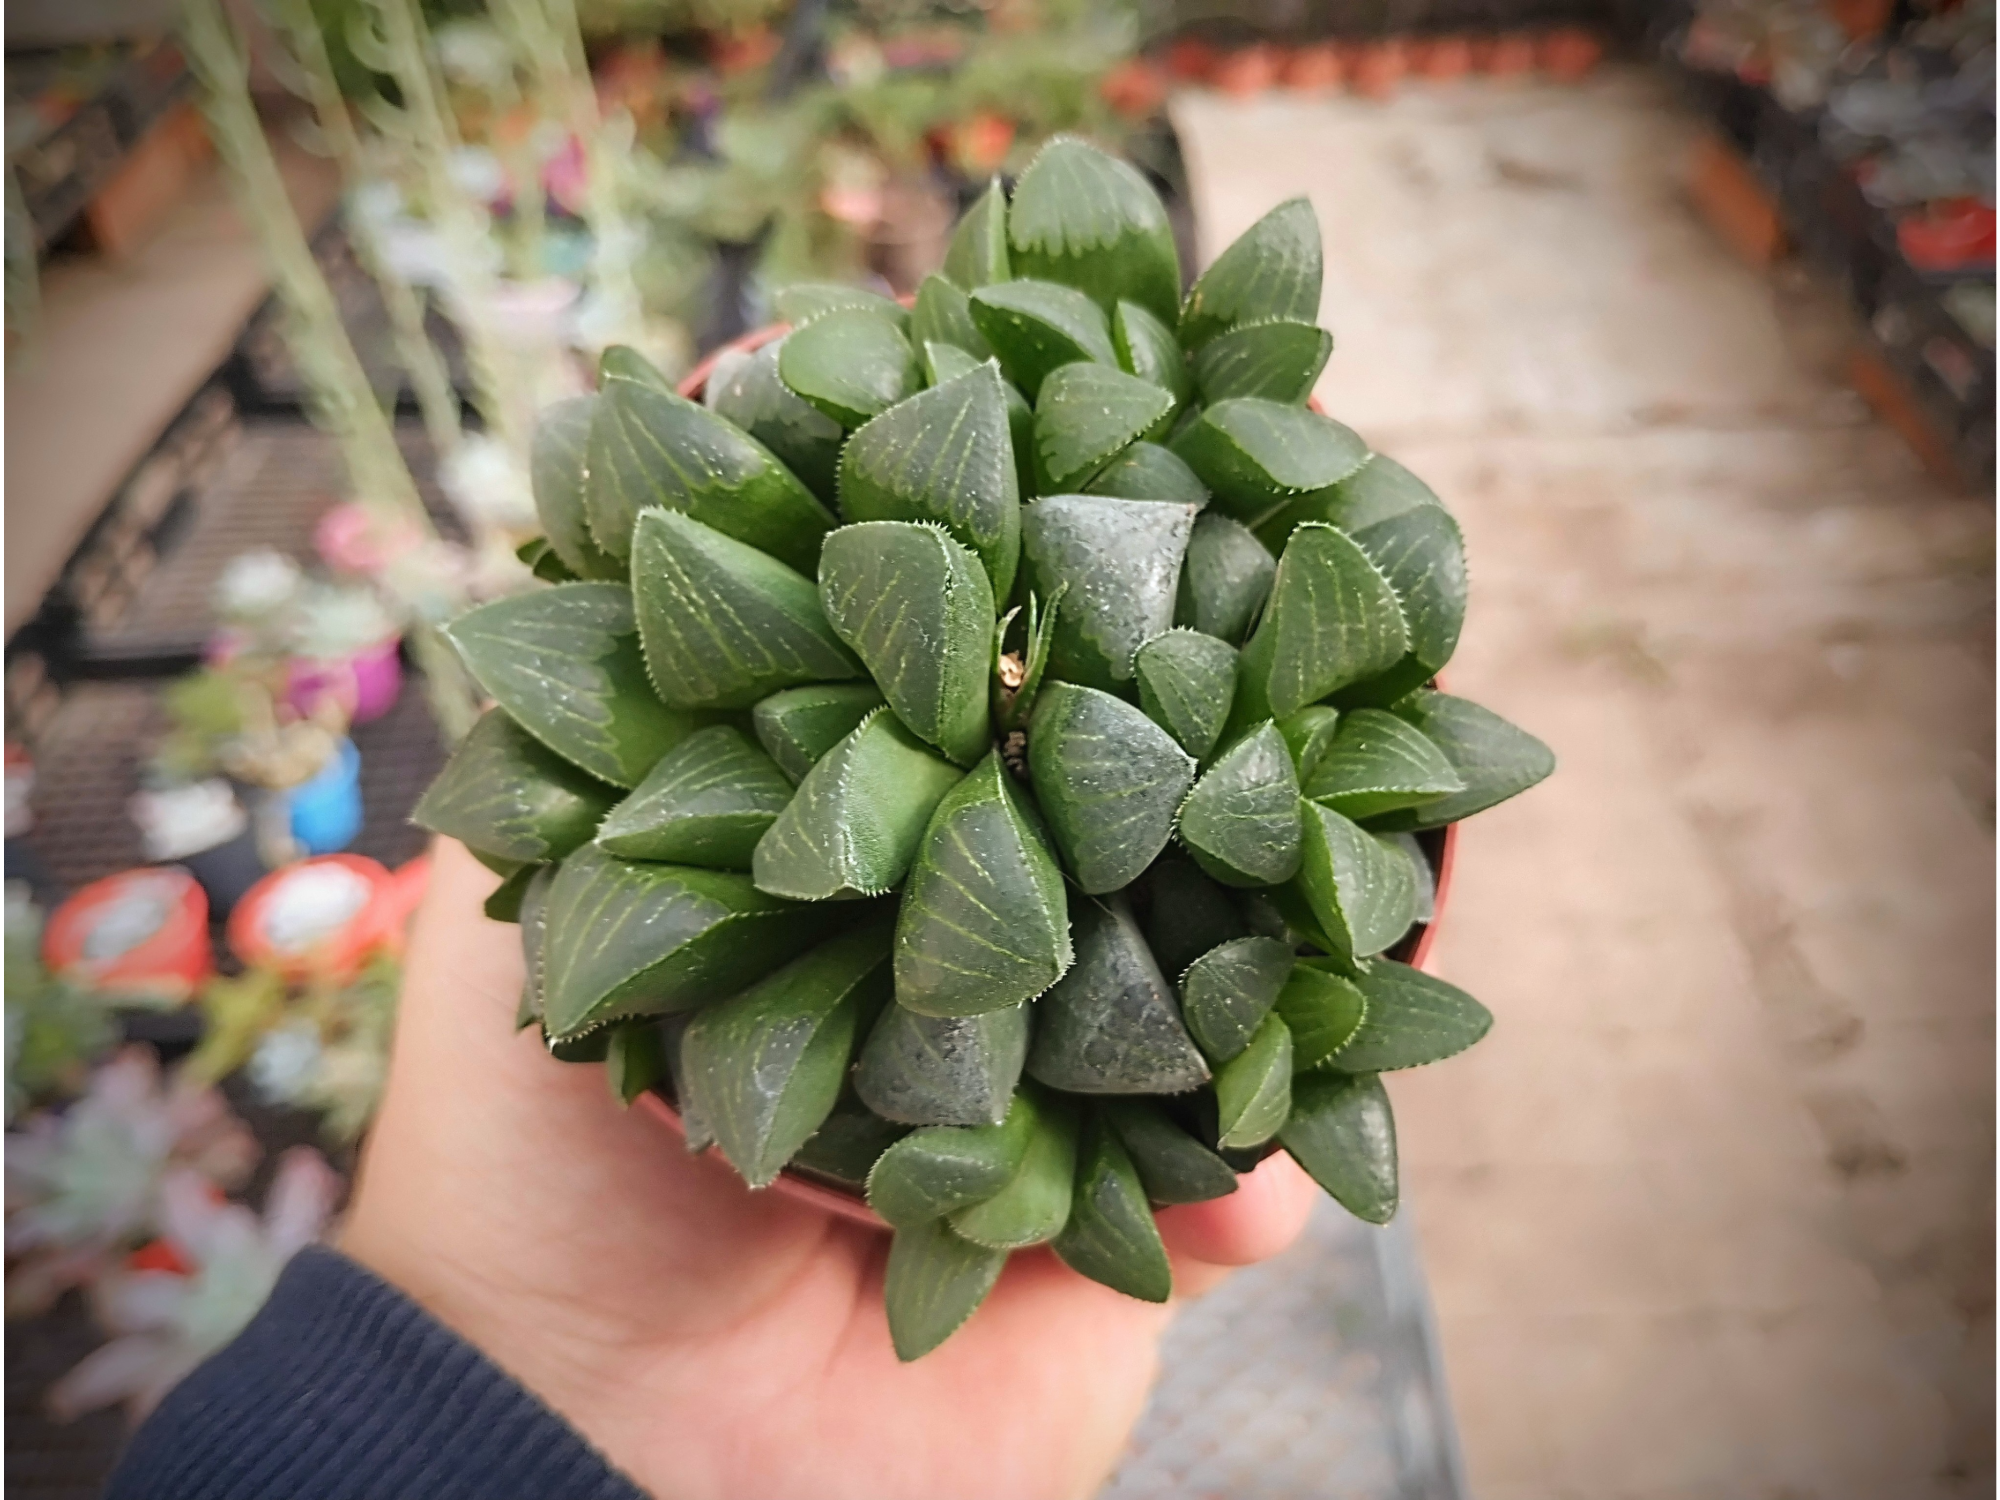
[(342, 1388)]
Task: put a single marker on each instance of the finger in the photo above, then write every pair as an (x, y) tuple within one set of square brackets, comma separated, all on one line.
[(1266, 1213)]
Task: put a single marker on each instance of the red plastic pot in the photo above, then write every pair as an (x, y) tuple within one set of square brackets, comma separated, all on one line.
[(270, 928), (1191, 60), (1378, 67), (1569, 53), (140, 933), (1315, 68), (1441, 58), (1248, 71)]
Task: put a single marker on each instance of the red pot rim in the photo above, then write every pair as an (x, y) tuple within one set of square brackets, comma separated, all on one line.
[(845, 1205)]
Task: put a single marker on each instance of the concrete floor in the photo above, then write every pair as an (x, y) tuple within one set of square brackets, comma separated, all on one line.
[(1710, 1213)]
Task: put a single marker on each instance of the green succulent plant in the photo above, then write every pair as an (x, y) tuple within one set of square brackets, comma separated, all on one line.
[(987, 757)]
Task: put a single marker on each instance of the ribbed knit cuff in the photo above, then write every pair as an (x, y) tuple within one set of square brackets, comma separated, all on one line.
[(342, 1388)]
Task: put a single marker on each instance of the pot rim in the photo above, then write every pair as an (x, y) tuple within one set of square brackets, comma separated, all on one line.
[(820, 1195)]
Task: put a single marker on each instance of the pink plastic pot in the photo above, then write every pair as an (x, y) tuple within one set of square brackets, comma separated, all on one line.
[(851, 1206), (366, 684)]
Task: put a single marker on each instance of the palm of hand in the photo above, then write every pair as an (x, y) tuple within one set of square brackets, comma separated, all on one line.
[(713, 1343)]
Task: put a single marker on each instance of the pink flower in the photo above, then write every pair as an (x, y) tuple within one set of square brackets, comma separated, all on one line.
[(164, 1323)]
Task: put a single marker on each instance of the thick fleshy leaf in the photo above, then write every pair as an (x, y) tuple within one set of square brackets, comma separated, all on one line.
[(1034, 1205), (1256, 455), (635, 1059), (533, 917), (707, 802), (943, 315), (1225, 579), (1189, 914), (1227, 992), (1395, 518), (764, 1067), (984, 925), (940, 1169), (1118, 562), (724, 624), (1111, 1236), (504, 905), (935, 1280), (558, 469), (805, 439), (1322, 1009), (943, 1070), (1274, 361), (592, 1046), (1241, 821), (799, 725), (650, 447), (504, 794), (848, 1143), (1173, 1166), (850, 364), (1037, 327), (1360, 885), (1146, 471), (1332, 619), (623, 938), (1273, 270), (1412, 1019), (565, 664), (694, 1129), (854, 824), (1309, 734), (1086, 415), (1253, 1090), (945, 455), (1187, 681), (977, 254), (943, 362), (1494, 759), (1378, 763), (1109, 781), (543, 562), (1423, 556), (1111, 1024), (917, 609), (1089, 220), (804, 301), (1147, 348), (1342, 1132)]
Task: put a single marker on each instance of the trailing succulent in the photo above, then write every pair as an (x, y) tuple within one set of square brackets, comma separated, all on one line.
[(985, 756)]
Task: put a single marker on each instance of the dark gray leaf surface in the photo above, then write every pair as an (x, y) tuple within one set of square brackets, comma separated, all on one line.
[(504, 794), (1118, 563), (1272, 270), (1111, 1236), (1187, 681), (1111, 1024), (799, 725), (1241, 822), (1109, 781), (1227, 992), (1225, 579), (1342, 1132), (943, 1070)]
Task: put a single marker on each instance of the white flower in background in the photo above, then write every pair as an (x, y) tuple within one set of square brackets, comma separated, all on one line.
[(84, 1184), (333, 621), (488, 485), (256, 585), (164, 1323), (479, 174)]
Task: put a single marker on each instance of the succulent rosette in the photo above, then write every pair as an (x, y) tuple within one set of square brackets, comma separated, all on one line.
[(987, 755)]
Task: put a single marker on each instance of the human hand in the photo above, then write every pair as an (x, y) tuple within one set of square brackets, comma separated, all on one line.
[(712, 1342)]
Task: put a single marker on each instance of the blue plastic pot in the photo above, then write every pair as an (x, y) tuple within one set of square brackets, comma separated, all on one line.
[(325, 812)]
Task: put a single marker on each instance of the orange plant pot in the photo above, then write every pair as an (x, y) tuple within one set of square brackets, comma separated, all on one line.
[(140, 933), (1248, 71), (1569, 53), (317, 919), (1315, 69), (1441, 58), (1378, 67), (1506, 56), (1191, 60)]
